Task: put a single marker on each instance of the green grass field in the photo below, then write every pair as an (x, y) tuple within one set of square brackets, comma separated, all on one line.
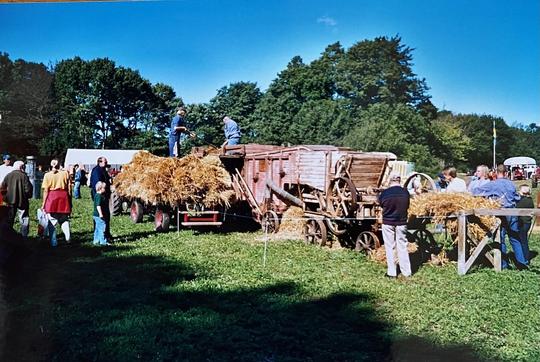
[(206, 296)]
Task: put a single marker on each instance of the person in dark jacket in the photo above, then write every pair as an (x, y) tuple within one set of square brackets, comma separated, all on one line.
[(100, 173), (395, 204), (524, 222), (18, 191)]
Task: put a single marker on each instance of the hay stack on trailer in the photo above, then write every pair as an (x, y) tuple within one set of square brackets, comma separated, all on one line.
[(167, 183), (174, 181)]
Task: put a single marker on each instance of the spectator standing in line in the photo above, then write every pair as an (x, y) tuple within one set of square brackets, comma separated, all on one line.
[(101, 206), (395, 204), (100, 173), (503, 190), (481, 175), (524, 222), (5, 168), (232, 132), (57, 201), (441, 183), (455, 184), (19, 190), (77, 178)]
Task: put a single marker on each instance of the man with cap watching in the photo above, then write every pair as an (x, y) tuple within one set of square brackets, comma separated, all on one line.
[(18, 191), (504, 190), (395, 204), (6, 167)]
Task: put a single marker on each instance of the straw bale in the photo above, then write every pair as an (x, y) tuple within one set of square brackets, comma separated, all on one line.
[(173, 181), (440, 205)]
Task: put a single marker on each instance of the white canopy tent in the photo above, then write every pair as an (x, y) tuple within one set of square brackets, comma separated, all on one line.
[(528, 165), (87, 158), (519, 161)]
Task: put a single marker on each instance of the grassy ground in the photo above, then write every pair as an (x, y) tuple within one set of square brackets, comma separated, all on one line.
[(206, 296)]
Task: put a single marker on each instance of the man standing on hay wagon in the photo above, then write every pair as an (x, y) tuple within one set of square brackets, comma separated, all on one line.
[(395, 203), (177, 131), (232, 132), (504, 190)]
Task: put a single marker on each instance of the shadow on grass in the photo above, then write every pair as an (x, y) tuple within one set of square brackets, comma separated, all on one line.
[(80, 304)]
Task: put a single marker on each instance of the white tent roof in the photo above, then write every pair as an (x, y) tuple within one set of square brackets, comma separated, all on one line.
[(512, 161), (89, 157)]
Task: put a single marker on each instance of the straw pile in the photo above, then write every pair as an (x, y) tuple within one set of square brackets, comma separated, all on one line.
[(441, 205), (173, 181), (292, 224)]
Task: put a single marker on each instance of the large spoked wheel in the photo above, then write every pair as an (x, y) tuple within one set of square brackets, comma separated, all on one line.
[(425, 240), (136, 211), (315, 232), (419, 183), (367, 241), (162, 220), (341, 198), (270, 222)]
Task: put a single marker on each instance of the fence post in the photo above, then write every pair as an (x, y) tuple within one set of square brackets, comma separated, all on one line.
[(462, 239)]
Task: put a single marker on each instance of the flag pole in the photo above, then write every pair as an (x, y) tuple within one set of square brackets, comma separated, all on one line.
[(494, 143)]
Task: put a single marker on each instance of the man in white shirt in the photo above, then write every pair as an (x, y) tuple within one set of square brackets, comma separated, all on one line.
[(455, 184)]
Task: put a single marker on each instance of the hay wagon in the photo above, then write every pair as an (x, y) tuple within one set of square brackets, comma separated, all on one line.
[(336, 187)]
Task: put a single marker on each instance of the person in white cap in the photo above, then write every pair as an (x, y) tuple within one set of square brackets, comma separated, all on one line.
[(395, 204), (18, 192)]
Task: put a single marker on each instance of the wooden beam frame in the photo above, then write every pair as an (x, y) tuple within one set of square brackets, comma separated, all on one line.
[(494, 255)]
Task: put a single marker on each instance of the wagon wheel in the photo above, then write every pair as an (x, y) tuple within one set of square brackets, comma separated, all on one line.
[(424, 239), (270, 222), (315, 232), (419, 183), (341, 198), (162, 220), (336, 227), (136, 211), (367, 241)]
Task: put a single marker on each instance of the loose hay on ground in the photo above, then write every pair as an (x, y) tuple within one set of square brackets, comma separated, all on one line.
[(291, 224)]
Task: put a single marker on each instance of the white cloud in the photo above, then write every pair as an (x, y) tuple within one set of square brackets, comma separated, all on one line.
[(326, 20)]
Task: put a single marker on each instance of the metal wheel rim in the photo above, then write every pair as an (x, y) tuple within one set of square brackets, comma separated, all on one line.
[(367, 241), (341, 198)]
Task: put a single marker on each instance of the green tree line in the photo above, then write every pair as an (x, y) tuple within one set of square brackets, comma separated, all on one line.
[(366, 97)]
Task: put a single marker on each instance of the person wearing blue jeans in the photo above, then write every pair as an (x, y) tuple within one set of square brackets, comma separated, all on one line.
[(178, 128), (232, 132), (524, 222), (77, 179), (503, 190), (100, 209)]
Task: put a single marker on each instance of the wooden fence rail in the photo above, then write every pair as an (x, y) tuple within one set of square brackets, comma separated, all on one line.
[(492, 241)]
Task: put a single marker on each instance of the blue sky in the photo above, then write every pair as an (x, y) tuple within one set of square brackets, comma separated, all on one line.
[(477, 56)]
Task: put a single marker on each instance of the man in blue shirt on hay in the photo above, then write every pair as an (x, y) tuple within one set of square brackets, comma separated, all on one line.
[(504, 190), (232, 132), (178, 128)]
